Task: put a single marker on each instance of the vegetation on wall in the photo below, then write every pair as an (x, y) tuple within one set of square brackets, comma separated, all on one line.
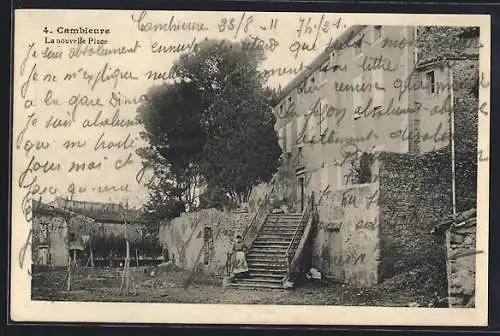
[(460, 46), (415, 196)]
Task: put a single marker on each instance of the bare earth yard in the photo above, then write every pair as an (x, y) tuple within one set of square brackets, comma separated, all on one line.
[(101, 285)]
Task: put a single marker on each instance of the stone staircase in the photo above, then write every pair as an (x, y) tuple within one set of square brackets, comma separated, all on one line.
[(267, 258)]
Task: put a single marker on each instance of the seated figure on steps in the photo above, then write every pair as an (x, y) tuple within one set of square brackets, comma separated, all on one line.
[(239, 263)]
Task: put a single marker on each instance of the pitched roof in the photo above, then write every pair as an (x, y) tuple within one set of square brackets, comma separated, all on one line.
[(337, 44), (48, 209), (101, 212)]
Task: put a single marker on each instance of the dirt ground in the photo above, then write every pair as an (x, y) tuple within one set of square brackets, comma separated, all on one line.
[(169, 286)]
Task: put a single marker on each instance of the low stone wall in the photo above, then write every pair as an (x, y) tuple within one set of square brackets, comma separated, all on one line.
[(461, 251), (49, 240), (183, 238), (346, 242)]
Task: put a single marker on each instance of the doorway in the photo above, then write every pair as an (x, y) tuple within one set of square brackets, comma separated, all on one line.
[(301, 192)]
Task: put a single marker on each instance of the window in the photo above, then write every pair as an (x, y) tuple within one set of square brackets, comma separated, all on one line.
[(323, 71), (290, 101), (44, 233), (208, 244), (312, 84), (357, 42), (288, 136), (339, 177), (365, 168), (361, 169), (335, 176), (312, 121), (281, 138), (323, 178), (377, 85), (300, 129), (431, 82), (281, 111), (356, 96), (323, 118), (377, 33)]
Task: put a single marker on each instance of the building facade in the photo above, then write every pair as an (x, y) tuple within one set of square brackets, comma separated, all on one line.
[(376, 89)]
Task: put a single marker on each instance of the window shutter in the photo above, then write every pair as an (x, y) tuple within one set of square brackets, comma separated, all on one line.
[(356, 96), (324, 178), (281, 138), (311, 125), (378, 95), (324, 117), (289, 137), (300, 129)]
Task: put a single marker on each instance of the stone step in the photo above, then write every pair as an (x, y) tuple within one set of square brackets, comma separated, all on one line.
[(260, 241), (255, 270), (276, 259), (277, 250), (288, 237), (269, 229), (277, 235), (272, 243), (264, 265), (266, 275), (255, 286), (265, 252), (288, 215), (282, 220), (260, 280)]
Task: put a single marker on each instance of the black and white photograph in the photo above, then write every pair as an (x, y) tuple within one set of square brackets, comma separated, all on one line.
[(224, 162)]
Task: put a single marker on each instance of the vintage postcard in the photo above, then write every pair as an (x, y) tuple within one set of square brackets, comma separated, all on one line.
[(250, 168)]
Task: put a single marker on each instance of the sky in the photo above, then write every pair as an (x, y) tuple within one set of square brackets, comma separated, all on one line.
[(80, 98)]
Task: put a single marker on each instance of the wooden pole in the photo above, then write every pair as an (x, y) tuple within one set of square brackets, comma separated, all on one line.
[(74, 258), (66, 219), (125, 274), (68, 284), (136, 258), (127, 268)]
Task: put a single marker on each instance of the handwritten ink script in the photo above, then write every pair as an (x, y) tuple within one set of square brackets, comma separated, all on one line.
[(80, 80)]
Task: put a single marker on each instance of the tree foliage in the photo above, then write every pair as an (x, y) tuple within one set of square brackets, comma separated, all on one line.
[(213, 126), (103, 246)]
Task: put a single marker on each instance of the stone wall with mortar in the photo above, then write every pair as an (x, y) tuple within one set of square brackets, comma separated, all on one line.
[(183, 238), (346, 242), (415, 194), (461, 252)]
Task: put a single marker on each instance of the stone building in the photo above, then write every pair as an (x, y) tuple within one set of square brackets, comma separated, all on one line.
[(460, 243), (65, 227), (379, 98)]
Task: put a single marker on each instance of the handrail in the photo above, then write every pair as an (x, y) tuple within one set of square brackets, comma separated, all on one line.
[(306, 218), (261, 206), (291, 264), (255, 219), (306, 212)]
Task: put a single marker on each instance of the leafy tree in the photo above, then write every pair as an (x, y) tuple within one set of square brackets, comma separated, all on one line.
[(215, 197), (213, 126)]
